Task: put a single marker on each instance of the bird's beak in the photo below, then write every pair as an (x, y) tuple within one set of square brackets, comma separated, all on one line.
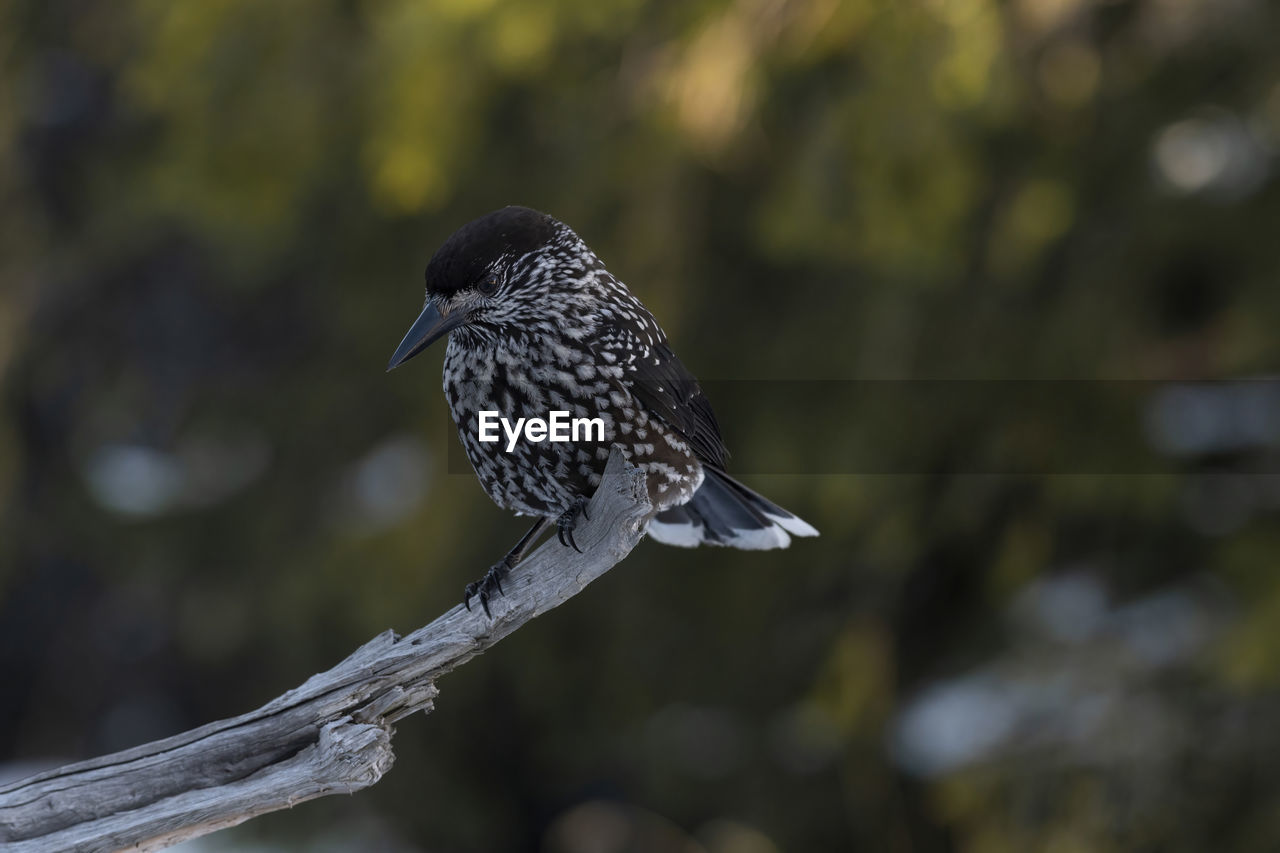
[(430, 326)]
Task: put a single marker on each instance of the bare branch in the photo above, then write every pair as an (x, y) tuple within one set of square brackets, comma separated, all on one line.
[(332, 735)]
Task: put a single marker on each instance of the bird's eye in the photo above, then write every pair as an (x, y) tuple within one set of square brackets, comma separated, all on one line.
[(488, 286)]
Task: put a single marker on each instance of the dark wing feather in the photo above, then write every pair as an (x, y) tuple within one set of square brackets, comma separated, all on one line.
[(653, 374)]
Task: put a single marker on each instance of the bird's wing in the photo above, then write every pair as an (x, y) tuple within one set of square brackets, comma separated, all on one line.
[(653, 374)]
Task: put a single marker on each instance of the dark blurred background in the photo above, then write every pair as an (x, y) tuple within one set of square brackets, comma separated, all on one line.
[(1044, 613)]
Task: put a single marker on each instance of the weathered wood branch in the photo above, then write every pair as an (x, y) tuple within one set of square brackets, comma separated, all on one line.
[(332, 735)]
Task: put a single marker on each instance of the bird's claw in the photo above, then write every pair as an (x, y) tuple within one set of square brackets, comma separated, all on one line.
[(486, 586), (567, 532), (568, 520)]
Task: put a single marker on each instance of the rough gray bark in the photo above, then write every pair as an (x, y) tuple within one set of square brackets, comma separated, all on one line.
[(331, 735)]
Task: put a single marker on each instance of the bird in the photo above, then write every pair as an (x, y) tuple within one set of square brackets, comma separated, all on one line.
[(536, 323)]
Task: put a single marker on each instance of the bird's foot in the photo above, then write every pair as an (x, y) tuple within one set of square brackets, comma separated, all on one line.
[(487, 586), (568, 520)]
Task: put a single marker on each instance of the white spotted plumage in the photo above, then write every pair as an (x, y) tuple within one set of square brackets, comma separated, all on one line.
[(553, 330)]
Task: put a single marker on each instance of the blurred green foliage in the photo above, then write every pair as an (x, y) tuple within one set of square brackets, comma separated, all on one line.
[(214, 217)]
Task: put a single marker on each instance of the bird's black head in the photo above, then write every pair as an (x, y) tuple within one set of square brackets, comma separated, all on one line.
[(496, 272), (480, 250)]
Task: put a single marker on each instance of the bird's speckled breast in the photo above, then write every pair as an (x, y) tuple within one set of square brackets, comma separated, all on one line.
[(528, 375)]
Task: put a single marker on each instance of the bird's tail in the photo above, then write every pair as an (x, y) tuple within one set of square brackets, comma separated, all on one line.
[(724, 512)]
